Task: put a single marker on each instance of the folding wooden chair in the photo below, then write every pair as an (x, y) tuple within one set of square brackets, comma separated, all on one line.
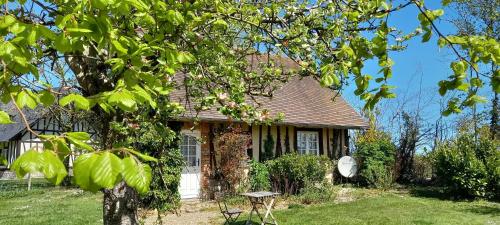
[(230, 214)]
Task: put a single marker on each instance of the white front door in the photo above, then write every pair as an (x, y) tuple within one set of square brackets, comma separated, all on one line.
[(190, 178)]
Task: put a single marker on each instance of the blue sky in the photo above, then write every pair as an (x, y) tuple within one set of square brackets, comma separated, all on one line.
[(421, 65)]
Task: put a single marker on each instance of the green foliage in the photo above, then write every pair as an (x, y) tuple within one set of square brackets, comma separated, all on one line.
[(317, 193), (4, 118), (467, 167), (162, 143), (290, 172), (138, 177), (258, 177), (376, 155), (122, 56), (3, 160), (422, 168), (45, 162), (268, 153)]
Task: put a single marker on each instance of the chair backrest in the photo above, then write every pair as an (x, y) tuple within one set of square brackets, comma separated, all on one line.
[(221, 201)]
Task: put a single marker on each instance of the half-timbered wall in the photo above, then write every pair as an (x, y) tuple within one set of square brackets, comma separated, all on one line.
[(333, 142), (25, 140)]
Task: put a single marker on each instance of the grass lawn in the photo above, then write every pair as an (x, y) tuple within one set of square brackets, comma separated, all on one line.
[(394, 209), (46, 204)]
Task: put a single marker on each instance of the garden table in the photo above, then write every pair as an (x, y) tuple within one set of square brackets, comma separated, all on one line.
[(264, 198)]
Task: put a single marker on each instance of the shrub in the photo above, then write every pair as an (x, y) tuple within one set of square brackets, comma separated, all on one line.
[(467, 167), (316, 193), (258, 177), (162, 144), (268, 153), (231, 146), (290, 172), (422, 168), (376, 155)]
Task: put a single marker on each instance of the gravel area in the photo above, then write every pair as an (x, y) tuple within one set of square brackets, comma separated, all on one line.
[(192, 212)]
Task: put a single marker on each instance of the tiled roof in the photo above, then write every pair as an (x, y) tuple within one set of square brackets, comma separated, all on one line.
[(303, 101), (9, 131)]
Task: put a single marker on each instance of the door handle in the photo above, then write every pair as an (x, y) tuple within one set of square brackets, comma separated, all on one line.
[(198, 162)]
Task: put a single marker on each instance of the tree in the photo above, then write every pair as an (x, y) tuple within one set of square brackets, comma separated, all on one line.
[(125, 55), (268, 153), (412, 134), (480, 17)]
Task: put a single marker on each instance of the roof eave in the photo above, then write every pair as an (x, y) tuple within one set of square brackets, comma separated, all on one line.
[(306, 125)]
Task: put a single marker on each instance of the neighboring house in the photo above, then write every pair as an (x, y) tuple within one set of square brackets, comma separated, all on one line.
[(15, 139)]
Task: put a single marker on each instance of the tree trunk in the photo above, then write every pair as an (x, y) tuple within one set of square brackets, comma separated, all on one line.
[(120, 205)]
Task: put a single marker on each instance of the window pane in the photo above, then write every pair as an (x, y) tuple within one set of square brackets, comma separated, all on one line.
[(192, 150), (183, 150), (185, 139), (313, 145), (193, 161)]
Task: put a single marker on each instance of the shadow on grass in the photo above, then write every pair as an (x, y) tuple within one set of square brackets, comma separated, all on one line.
[(22, 184), (484, 210), (433, 192)]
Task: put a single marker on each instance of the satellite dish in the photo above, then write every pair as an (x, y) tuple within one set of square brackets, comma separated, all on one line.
[(347, 166)]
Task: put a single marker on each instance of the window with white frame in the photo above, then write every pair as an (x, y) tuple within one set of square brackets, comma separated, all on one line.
[(188, 149), (308, 142)]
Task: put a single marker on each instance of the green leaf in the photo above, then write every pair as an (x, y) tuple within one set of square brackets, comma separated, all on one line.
[(136, 174), (185, 57), (46, 98), (123, 99), (4, 118), (25, 99), (29, 162), (143, 156), (175, 17), (445, 2), (119, 47), (6, 21), (220, 24), (437, 13), (78, 30), (80, 144), (327, 80), (58, 145), (80, 101), (106, 170), (62, 43), (82, 136), (82, 168), (53, 169), (427, 36), (476, 82), (459, 68)]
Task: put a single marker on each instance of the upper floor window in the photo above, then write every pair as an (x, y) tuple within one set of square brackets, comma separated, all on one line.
[(308, 142)]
